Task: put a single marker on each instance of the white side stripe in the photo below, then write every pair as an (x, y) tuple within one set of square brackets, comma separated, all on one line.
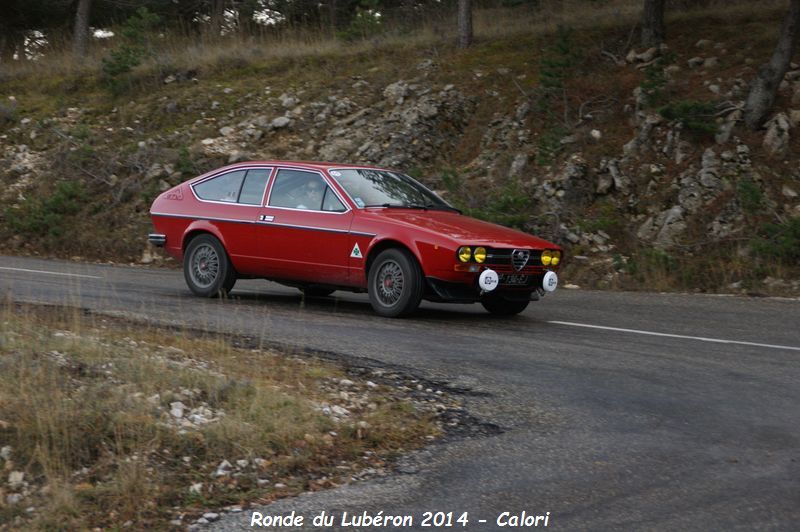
[(682, 336), (50, 273)]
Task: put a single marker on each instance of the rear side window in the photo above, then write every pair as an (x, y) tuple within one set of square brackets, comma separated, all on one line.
[(253, 187), (221, 188)]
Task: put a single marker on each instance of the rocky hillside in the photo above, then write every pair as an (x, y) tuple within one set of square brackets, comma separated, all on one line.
[(635, 160)]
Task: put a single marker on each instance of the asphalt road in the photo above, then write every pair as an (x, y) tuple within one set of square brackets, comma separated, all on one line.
[(620, 410)]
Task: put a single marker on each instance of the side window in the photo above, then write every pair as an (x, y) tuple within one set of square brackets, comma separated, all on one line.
[(253, 187), (296, 189), (331, 203), (221, 188)]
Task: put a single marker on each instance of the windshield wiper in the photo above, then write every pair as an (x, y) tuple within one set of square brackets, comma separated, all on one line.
[(440, 207)]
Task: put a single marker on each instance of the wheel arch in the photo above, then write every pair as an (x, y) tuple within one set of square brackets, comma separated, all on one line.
[(194, 231), (390, 243), (226, 275), (197, 229)]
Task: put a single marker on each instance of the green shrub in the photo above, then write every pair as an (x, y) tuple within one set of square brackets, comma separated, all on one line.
[(134, 48), (555, 70), (558, 60), (649, 263), (38, 216), (450, 180), (779, 241), (655, 79), (8, 113), (185, 164), (606, 217), (509, 205), (81, 132), (415, 171), (750, 196), (121, 61), (366, 22), (549, 145), (697, 117), (82, 156)]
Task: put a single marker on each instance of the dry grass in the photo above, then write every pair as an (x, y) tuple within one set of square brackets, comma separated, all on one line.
[(85, 406)]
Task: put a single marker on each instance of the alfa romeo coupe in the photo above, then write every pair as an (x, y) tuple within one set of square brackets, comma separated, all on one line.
[(323, 227)]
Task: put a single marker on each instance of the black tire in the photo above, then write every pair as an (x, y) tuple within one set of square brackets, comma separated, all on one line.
[(500, 306), (206, 267), (395, 283), (316, 291)]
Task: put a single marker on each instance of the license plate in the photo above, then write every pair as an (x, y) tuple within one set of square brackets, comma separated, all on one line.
[(514, 279)]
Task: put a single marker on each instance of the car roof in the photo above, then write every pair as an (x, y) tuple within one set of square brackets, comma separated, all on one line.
[(314, 165)]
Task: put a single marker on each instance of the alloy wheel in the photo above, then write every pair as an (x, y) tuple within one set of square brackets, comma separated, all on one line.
[(389, 283), (204, 266)]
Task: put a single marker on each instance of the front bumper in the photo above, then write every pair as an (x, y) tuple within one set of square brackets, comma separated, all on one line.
[(469, 292)]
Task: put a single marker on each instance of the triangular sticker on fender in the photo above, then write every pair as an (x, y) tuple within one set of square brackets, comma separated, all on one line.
[(356, 253)]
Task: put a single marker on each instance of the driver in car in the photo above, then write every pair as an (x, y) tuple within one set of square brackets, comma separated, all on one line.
[(309, 196)]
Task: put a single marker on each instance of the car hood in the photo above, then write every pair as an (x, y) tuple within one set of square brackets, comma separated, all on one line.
[(460, 228)]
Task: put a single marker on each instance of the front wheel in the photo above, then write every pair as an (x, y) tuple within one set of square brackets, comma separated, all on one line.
[(206, 267), (500, 306), (395, 283)]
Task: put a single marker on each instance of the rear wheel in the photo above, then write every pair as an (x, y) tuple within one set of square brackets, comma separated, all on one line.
[(500, 306), (206, 267), (395, 283)]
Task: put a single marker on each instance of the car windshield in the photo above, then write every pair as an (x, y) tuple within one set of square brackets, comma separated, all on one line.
[(382, 188)]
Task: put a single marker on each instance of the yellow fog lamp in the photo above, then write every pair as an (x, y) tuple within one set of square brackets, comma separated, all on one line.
[(556, 258), (547, 257), (480, 254), (464, 253)]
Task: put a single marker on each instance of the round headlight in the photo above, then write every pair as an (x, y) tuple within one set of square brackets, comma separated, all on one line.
[(480, 254), (547, 256), (464, 254), (556, 258)]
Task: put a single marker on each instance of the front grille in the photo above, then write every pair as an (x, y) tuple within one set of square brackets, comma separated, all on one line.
[(519, 258), (505, 257)]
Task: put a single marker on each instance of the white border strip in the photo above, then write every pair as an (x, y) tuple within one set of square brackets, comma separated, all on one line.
[(681, 336), (50, 273)]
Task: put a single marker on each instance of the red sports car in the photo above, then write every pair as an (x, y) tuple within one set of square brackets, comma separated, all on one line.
[(322, 227)]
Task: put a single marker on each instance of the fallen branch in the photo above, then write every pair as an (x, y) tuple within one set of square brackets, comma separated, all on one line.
[(614, 59)]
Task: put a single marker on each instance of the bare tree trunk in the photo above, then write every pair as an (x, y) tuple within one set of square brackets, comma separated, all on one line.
[(6, 49), (13, 44), (217, 17), (464, 23), (80, 37), (332, 8), (765, 87), (244, 20), (653, 23)]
